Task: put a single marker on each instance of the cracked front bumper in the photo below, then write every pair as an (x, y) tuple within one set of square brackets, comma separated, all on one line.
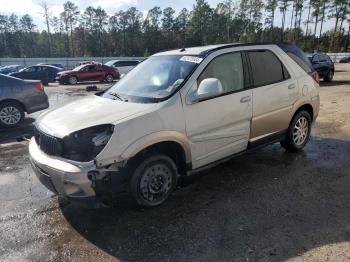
[(67, 178)]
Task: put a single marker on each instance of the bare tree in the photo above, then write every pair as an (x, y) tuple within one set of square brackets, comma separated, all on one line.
[(47, 16)]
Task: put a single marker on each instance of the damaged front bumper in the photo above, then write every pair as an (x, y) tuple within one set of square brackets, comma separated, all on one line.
[(75, 181)]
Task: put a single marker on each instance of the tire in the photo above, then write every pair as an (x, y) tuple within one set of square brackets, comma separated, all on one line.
[(329, 76), (298, 133), (109, 78), (72, 80), (11, 114), (147, 183)]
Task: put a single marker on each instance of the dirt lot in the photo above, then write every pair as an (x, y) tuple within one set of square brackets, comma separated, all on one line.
[(264, 206)]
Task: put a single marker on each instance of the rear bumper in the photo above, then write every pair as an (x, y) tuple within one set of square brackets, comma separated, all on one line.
[(71, 180), (38, 107)]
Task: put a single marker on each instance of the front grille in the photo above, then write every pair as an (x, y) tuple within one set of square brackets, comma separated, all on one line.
[(48, 144)]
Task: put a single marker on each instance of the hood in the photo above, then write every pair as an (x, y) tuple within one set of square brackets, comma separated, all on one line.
[(87, 112)]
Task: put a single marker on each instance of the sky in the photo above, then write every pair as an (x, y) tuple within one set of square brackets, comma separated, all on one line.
[(32, 7)]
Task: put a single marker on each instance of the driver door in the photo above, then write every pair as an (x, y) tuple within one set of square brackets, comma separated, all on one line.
[(220, 126)]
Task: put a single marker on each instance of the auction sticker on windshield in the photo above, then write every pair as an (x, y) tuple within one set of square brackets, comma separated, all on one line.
[(192, 59)]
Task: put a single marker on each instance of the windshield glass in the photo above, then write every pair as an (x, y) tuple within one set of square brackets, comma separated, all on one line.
[(109, 63), (154, 79), (78, 68)]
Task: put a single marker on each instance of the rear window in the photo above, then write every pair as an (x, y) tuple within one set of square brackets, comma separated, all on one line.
[(298, 56), (266, 68)]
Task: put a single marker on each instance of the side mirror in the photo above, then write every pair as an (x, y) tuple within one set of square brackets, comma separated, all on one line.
[(208, 88)]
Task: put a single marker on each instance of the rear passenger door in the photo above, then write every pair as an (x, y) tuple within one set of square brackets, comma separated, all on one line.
[(274, 93)]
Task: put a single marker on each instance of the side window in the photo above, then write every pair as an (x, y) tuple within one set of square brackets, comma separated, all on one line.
[(131, 63), (228, 68), (315, 59), (92, 68), (30, 69), (119, 64), (266, 68)]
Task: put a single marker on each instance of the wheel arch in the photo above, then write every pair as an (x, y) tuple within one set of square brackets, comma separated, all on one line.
[(173, 145), (305, 107), (14, 101)]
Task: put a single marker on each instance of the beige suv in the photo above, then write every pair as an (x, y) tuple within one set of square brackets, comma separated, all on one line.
[(176, 113)]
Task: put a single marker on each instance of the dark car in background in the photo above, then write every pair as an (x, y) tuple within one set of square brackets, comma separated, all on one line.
[(88, 72), (18, 97), (345, 60), (323, 64), (45, 73), (10, 69)]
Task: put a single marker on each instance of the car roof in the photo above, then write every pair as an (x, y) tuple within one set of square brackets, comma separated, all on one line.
[(51, 66), (205, 50), (199, 50)]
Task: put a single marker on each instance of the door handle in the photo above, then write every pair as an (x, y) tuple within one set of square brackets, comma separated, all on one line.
[(291, 86), (245, 99)]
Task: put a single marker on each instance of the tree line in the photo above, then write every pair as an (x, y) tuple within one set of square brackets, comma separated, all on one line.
[(92, 32)]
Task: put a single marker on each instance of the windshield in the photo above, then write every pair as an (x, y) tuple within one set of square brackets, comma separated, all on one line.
[(78, 68), (156, 78), (109, 63)]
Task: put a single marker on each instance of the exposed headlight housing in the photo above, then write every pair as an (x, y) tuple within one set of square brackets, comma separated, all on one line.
[(84, 145)]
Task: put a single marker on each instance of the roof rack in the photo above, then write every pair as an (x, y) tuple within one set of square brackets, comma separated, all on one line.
[(207, 52)]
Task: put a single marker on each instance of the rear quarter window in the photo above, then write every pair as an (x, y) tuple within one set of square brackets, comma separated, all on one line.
[(298, 56)]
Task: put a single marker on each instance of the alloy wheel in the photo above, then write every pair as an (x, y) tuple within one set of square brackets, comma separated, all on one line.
[(109, 78), (10, 115), (301, 131)]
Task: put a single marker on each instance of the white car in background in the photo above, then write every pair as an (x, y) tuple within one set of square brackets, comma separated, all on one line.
[(123, 66)]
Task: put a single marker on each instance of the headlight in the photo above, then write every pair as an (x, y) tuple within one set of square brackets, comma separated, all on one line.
[(84, 145)]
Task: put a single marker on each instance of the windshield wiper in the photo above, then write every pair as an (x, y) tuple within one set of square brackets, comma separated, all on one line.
[(118, 96)]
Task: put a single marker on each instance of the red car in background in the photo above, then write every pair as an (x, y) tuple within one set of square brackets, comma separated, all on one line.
[(88, 72)]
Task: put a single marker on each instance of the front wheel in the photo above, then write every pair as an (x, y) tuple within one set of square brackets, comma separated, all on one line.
[(298, 132), (73, 80), (153, 180)]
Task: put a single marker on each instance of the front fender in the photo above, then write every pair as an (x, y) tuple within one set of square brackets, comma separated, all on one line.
[(157, 137)]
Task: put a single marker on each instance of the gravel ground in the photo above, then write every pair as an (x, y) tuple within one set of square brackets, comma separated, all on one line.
[(263, 206)]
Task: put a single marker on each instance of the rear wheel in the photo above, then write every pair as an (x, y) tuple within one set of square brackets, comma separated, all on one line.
[(109, 78), (11, 114), (153, 180), (298, 132), (329, 76), (73, 80)]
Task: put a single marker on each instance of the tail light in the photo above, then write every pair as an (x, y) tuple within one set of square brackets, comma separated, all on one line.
[(39, 86), (315, 77)]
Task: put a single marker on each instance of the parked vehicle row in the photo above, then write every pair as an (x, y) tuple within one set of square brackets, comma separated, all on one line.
[(176, 113), (84, 71)]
